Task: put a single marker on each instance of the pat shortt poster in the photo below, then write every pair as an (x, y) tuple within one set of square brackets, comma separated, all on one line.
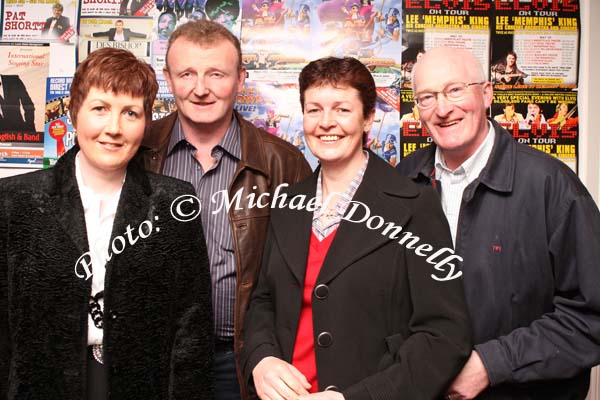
[(22, 97), (39, 21)]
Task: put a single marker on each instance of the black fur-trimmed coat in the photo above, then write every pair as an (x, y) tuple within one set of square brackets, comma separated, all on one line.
[(158, 316)]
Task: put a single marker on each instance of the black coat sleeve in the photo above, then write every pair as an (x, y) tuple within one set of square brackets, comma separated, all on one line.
[(259, 326), (565, 341), (5, 353), (191, 370)]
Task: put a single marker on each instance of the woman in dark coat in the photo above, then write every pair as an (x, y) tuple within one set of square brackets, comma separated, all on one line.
[(357, 296), (104, 294)]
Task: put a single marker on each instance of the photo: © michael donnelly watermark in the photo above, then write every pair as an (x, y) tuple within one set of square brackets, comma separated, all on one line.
[(188, 207)]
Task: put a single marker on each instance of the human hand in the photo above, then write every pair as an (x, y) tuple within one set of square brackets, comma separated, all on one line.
[(276, 379), (471, 381), (326, 395)]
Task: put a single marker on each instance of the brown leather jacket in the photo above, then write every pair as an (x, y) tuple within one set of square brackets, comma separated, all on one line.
[(267, 161)]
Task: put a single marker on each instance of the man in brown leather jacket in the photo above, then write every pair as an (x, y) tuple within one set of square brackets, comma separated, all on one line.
[(229, 162)]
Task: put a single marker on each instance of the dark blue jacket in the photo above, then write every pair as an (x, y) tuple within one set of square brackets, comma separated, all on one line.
[(529, 233)]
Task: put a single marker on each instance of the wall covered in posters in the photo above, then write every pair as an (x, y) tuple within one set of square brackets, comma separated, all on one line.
[(529, 48)]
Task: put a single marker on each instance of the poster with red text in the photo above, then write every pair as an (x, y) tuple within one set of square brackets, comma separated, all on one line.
[(164, 103), (39, 21), (546, 120), (59, 135), (535, 45), (438, 23)]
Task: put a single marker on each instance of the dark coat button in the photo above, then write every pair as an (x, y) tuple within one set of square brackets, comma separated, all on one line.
[(324, 339), (321, 291), (113, 315), (332, 387)]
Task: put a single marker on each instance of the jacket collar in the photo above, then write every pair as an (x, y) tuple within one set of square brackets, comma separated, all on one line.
[(157, 138), (66, 183), (133, 203), (380, 185), (69, 208), (253, 149), (499, 171), (376, 178)]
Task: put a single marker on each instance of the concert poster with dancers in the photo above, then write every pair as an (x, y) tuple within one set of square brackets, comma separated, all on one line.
[(287, 34)]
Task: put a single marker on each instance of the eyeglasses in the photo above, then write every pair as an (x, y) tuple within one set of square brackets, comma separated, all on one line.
[(454, 92)]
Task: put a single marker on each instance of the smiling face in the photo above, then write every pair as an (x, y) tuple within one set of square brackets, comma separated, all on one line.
[(110, 128), (204, 81), (334, 124), (458, 128), (509, 111), (119, 26)]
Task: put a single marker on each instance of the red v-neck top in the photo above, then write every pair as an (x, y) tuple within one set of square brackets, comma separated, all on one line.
[(304, 348)]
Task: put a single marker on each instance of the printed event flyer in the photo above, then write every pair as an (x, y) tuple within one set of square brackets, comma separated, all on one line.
[(101, 7), (133, 34), (22, 85), (436, 23), (286, 35), (535, 45), (529, 50), (276, 108), (39, 21), (59, 135), (439, 23), (543, 119), (384, 139), (164, 103)]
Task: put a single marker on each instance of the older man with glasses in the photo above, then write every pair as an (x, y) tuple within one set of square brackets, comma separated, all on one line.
[(529, 233)]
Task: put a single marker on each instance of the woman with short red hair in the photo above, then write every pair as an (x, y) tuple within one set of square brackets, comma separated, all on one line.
[(104, 294)]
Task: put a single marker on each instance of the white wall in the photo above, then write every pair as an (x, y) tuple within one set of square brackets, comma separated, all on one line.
[(589, 97), (589, 104)]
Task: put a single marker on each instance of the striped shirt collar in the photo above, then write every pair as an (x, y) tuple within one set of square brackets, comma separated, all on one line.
[(231, 142), (322, 231)]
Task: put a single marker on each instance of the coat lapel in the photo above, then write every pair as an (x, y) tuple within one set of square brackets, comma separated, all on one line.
[(382, 192), (292, 228), (134, 203), (69, 208)]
